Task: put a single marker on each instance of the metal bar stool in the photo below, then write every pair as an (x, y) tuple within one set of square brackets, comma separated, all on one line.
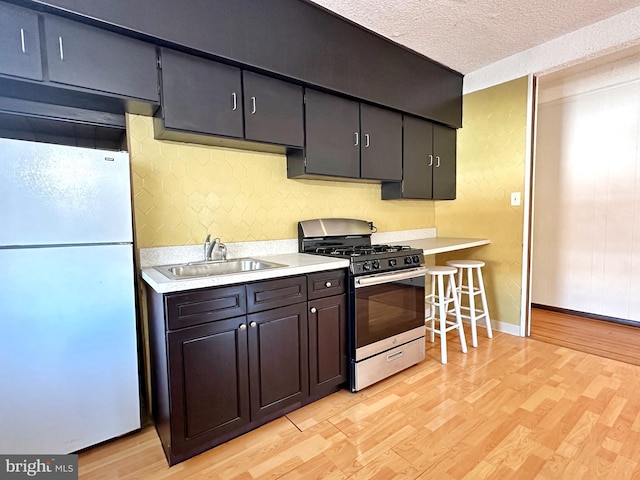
[(441, 298), (471, 290)]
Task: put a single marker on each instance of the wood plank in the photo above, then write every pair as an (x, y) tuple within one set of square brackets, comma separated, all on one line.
[(603, 338), (511, 408)]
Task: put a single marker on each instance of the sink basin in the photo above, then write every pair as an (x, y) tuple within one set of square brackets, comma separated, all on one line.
[(218, 267)]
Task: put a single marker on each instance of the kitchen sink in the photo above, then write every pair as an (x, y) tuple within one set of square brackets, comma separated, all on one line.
[(216, 267)]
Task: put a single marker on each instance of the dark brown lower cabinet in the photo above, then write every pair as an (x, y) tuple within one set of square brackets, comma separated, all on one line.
[(278, 365), (327, 345), (214, 378), (208, 365)]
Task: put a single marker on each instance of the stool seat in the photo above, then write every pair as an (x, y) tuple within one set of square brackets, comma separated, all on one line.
[(465, 263), (441, 270), (471, 290), (439, 300)]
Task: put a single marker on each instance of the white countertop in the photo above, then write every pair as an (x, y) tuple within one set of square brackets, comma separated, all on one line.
[(434, 245), (297, 264)]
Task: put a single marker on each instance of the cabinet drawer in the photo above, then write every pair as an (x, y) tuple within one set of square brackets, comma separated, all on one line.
[(276, 293), (202, 306), (324, 284)]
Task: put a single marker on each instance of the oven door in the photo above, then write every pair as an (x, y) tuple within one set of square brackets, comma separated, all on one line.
[(387, 308)]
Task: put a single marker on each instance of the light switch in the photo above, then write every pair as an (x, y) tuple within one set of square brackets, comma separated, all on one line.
[(515, 199)]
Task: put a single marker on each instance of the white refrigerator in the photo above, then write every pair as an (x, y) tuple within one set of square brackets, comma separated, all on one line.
[(68, 342)]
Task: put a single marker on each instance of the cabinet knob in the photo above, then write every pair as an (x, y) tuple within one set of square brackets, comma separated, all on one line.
[(314, 309), (328, 284), (243, 326), (253, 324)]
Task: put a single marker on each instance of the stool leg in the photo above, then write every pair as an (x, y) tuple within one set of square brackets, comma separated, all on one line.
[(432, 311), (443, 320), (456, 308), (483, 298), (472, 308)]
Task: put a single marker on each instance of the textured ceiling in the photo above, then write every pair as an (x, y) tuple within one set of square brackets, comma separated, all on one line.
[(469, 34)]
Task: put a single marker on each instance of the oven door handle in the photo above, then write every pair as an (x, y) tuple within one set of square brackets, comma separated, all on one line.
[(379, 278)]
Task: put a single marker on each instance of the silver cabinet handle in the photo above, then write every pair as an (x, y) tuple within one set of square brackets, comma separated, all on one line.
[(61, 48), (430, 160), (24, 47), (234, 99), (243, 326), (253, 324), (437, 161), (313, 310), (366, 140), (328, 284), (253, 105), (357, 136)]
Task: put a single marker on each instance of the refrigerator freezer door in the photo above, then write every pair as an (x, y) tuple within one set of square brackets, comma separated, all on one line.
[(53, 194), (68, 348)]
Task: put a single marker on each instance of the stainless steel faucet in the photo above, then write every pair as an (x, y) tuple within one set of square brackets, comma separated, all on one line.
[(210, 249)]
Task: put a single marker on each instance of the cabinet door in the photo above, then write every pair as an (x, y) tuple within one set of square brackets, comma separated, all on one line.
[(88, 57), (327, 344), (20, 40), (201, 96), (418, 158), (209, 383), (278, 362), (273, 110), (444, 170), (332, 135), (381, 143)]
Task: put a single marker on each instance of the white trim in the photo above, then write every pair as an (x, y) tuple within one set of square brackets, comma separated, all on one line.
[(529, 150), (504, 327), (612, 34)]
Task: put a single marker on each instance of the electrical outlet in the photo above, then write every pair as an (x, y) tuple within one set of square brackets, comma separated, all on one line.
[(515, 199)]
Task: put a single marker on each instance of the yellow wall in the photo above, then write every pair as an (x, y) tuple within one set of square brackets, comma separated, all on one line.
[(491, 165), (183, 191)]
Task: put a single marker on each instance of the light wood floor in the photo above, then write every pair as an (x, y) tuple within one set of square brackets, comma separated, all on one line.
[(513, 408), (606, 339)]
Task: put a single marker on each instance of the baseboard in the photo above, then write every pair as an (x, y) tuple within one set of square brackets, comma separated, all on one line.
[(498, 326), (592, 316)]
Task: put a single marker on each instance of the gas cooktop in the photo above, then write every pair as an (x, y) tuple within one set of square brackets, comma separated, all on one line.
[(350, 238)]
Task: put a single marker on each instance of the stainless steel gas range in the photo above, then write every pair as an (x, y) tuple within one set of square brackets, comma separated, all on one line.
[(386, 331)]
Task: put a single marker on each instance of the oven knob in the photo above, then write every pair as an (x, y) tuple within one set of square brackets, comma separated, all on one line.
[(376, 264), (408, 260), (392, 262), (366, 266), (416, 259)]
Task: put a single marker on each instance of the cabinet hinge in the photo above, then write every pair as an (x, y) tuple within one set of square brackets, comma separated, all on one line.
[(159, 61)]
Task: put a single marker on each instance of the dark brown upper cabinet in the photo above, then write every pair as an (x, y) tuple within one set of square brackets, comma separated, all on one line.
[(200, 96), (210, 102), (429, 162), (20, 39), (273, 110), (327, 52), (348, 139), (83, 56)]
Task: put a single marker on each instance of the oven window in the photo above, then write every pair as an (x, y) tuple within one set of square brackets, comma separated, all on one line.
[(388, 309)]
